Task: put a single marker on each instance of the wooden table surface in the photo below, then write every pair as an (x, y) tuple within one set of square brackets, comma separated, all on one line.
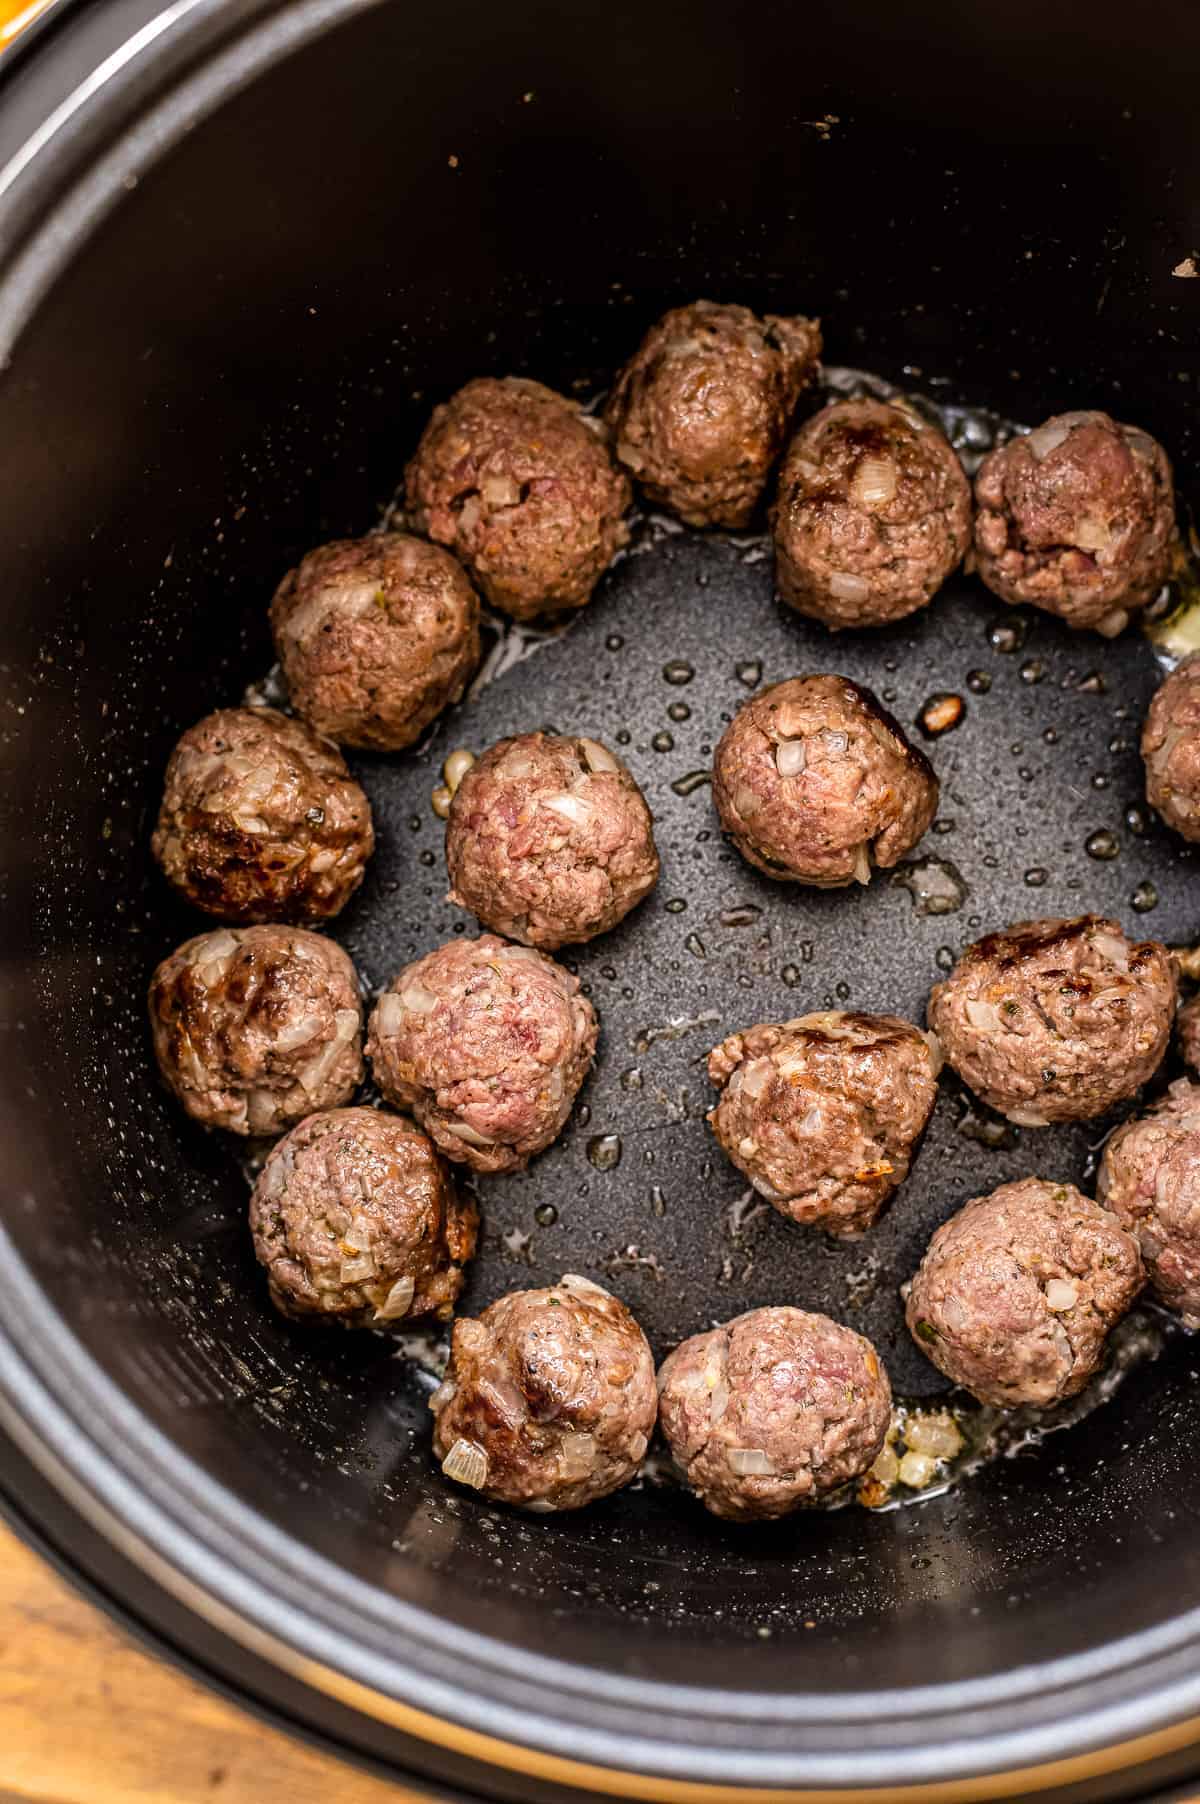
[(86, 1717)]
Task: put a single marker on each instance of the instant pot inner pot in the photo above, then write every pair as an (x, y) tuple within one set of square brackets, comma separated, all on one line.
[(232, 366)]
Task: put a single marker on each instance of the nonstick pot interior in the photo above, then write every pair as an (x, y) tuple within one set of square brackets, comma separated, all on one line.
[(221, 349)]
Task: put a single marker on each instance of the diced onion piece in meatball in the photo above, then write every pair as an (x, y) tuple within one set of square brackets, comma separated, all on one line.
[(549, 840), (776, 1409), (1171, 749), (549, 1399), (1150, 1178), (1016, 1294)]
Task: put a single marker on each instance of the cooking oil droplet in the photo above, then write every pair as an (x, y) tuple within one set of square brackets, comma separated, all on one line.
[(415, 823), (689, 784), (943, 826), (1102, 844), (1051, 735), (1144, 897), (663, 742), (1007, 635), (679, 711), (941, 714), (696, 946), (843, 992), (1036, 876), (545, 1215), (1136, 819), (614, 642), (624, 736), (675, 906), (678, 672), (604, 1151), (658, 1202), (1100, 780), (740, 916), (935, 885), (749, 672), (1092, 684), (978, 682), (1033, 670), (944, 958), (790, 975), (631, 1079)]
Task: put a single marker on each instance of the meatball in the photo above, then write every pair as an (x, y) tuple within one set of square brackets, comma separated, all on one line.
[(1150, 1179), (823, 1113), (356, 1219), (1171, 749), (261, 820), (872, 514), (1187, 1028), (700, 412), (549, 1400), (812, 779), (1017, 1292), (1056, 1020), (549, 840), (773, 1410), (487, 1044), (375, 637), (255, 1027), (519, 483), (1077, 518)]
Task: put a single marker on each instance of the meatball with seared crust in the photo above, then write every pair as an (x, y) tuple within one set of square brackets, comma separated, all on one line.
[(549, 840), (812, 780), (700, 412), (1078, 518), (375, 637), (1150, 1178), (1016, 1294), (487, 1044), (548, 1401), (356, 1219), (774, 1410), (1171, 749), (518, 481), (1056, 1020), (1187, 1030), (823, 1113), (255, 1027), (261, 821)]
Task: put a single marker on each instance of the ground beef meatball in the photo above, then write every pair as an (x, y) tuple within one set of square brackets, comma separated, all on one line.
[(872, 514), (549, 840), (519, 483), (1077, 518), (813, 779), (1017, 1292), (487, 1044), (773, 1410), (548, 1402), (255, 1027), (823, 1113), (375, 637), (1187, 1029), (261, 820), (1150, 1179), (1171, 749), (700, 412), (1056, 1020), (356, 1219)]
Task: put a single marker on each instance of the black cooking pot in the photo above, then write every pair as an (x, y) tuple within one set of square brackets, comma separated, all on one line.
[(243, 247)]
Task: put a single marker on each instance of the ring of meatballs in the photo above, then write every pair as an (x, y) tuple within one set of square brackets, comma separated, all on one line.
[(872, 513), (519, 483), (1077, 518), (256, 1027), (700, 411), (487, 1045), (1056, 1020), (1016, 1294), (823, 1113), (356, 1220), (549, 1398), (776, 1409), (1150, 1179), (813, 780), (261, 821), (375, 637), (1171, 749), (549, 840)]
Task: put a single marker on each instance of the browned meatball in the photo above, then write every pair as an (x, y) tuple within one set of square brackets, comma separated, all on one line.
[(1077, 518), (872, 514), (773, 1410), (519, 483), (1171, 749), (823, 1113), (1017, 1292), (1150, 1178), (812, 779), (261, 820), (1187, 1028), (487, 1044), (549, 840), (1056, 1020), (357, 1221), (548, 1401), (255, 1027), (700, 412), (376, 636)]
